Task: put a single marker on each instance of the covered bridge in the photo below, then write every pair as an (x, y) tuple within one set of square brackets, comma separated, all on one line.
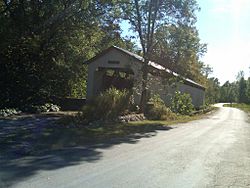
[(122, 69)]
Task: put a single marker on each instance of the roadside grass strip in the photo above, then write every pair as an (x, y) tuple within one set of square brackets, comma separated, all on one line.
[(244, 107)]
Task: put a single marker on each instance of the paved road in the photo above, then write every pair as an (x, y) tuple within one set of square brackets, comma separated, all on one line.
[(213, 152)]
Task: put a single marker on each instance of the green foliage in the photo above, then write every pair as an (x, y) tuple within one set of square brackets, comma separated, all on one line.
[(229, 92), (47, 107), (179, 48), (237, 91), (9, 112), (146, 17), (248, 90), (113, 102), (78, 86), (156, 110), (43, 45), (212, 91), (244, 107), (242, 98), (181, 103), (108, 105), (156, 99)]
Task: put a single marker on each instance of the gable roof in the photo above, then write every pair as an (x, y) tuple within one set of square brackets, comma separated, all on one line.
[(151, 63), (126, 52)]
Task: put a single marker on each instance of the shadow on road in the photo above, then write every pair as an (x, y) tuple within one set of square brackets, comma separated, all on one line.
[(32, 144)]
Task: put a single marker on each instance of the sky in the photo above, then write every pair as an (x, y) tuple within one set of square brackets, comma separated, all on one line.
[(224, 25)]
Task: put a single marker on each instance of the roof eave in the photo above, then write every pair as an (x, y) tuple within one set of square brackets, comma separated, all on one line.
[(141, 59)]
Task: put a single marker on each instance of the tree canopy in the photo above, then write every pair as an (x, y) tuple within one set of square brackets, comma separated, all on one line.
[(154, 21), (179, 48), (237, 91), (44, 43)]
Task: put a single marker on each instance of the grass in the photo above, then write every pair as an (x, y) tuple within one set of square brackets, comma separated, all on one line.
[(63, 136), (100, 131), (180, 119), (244, 107), (58, 136)]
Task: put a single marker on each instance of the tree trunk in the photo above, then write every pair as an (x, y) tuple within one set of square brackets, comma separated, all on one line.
[(144, 93)]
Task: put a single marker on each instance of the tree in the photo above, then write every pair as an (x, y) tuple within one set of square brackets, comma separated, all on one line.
[(206, 70), (238, 91), (213, 91), (179, 49), (242, 87), (248, 90), (43, 45), (228, 92), (146, 16), (240, 75)]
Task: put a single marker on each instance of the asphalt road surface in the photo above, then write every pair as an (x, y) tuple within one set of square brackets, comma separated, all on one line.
[(212, 152)]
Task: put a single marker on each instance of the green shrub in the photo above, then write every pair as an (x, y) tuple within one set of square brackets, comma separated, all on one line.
[(47, 107), (52, 107), (181, 103), (89, 113), (156, 110), (108, 105), (9, 112)]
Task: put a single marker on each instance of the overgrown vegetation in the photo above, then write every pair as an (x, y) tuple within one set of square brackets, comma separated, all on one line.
[(244, 107), (9, 112), (47, 107), (181, 103), (43, 43), (157, 110), (237, 91), (99, 131), (54, 137), (167, 33), (113, 103), (108, 105)]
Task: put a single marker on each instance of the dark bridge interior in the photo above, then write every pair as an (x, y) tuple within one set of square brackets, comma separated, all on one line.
[(118, 78)]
